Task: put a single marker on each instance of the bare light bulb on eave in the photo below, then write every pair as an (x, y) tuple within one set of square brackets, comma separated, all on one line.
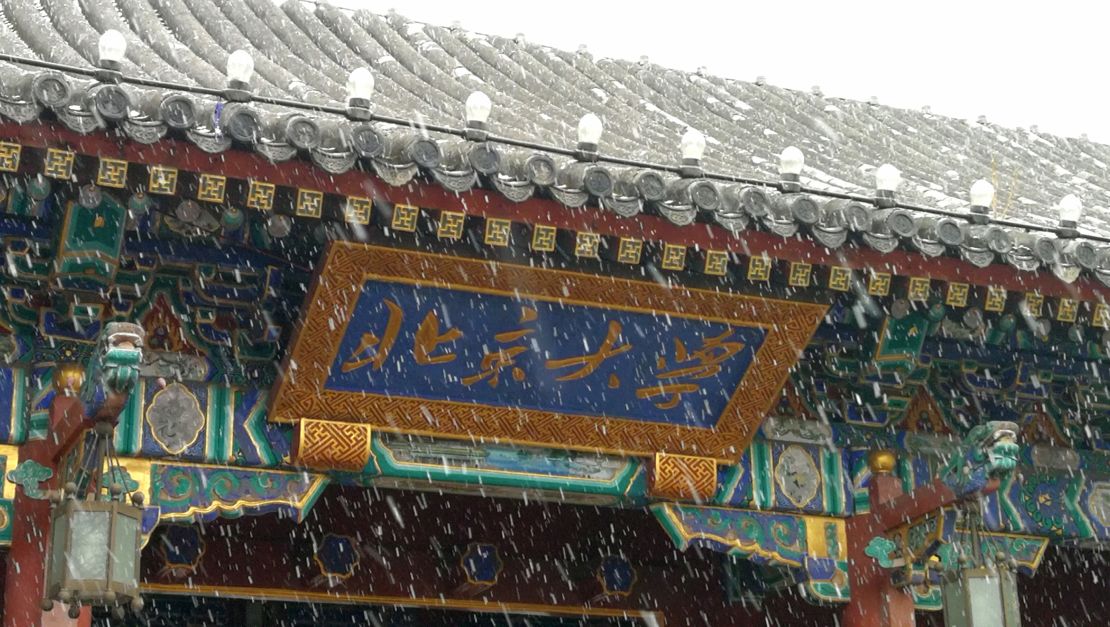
[(240, 67), (982, 195), (1071, 210), (791, 162), (478, 108), (692, 145), (360, 86), (887, 178), (590, 130), (111, 48)]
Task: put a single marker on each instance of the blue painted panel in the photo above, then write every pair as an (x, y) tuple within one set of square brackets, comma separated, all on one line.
[(503, 351)]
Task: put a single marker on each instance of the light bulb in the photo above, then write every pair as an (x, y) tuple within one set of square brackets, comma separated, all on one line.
[(240, 66), (693, 145), (791, 161), (112, 47), (478, 108), (982, 193), (589, 129), (360, 84), (1071, 209), (887, 178)]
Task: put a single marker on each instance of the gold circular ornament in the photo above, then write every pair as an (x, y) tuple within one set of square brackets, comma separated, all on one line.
[(882, 462)]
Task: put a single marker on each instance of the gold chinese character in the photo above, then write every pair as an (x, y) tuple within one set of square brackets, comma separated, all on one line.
[(1069, 309), (996, 299), (493, 363), (716, 262), (800, 272), (497, 232), (543, 238), (699, 364), (629, 250), (112, 173), (1034, 301), (957, 295), (759, 268), (840, 279), (59, 163), (260, 196), (310, 203), (211, 188), (9, 156), (372, 349), (163, 180), (1101, 316), (589, 363), (674, 257), (428, 338), (919, 289), (586, 245), (879, 285), (358, 210), (451, 224), (404, 218)]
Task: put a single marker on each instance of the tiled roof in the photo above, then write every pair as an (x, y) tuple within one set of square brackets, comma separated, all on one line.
[(426, 72)]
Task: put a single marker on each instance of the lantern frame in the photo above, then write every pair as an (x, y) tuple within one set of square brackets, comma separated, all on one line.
[(117, 554)]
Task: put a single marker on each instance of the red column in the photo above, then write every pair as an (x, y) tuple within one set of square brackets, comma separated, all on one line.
[(875, 600), (26, 567)]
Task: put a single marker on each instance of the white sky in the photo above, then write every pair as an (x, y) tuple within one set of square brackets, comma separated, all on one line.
[(1020, 63)]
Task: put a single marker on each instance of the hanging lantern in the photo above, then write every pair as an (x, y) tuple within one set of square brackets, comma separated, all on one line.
[(95, 535), (982, 592)]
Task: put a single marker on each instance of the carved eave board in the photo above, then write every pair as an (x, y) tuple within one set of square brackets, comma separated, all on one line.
[(443, 346)]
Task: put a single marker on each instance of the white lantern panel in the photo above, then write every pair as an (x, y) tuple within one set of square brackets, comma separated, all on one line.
[(88, 547)]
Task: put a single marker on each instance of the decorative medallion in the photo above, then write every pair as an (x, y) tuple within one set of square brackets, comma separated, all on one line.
[(1101, 316), (310, 203), (957, 294), (358, 210), (543, 238), (616, 576), (586, 245), (260, 196), (1034, 302), (175, 418), (716, 262), (1068, 310), (9, 156), (674, 257), (211, 188), (800, 274), (759, 268), (797, 476), (337, 557), (162, 180), (840, 278), (996, 299), (59, 164), (879, 284), (30, 475), (112, 173), (919, 288), (404, 218), (451, 224), (629, 250), (498, 231)]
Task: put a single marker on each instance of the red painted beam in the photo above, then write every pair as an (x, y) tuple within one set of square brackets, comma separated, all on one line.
[(243, 164)]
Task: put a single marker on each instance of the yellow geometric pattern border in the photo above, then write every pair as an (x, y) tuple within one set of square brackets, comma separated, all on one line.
[(789, 326)]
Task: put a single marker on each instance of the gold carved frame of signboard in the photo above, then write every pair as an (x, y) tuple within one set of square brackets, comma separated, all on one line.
[(301, 393)]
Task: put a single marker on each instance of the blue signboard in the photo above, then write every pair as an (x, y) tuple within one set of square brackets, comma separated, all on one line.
[(452, 345), (428, 344)]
